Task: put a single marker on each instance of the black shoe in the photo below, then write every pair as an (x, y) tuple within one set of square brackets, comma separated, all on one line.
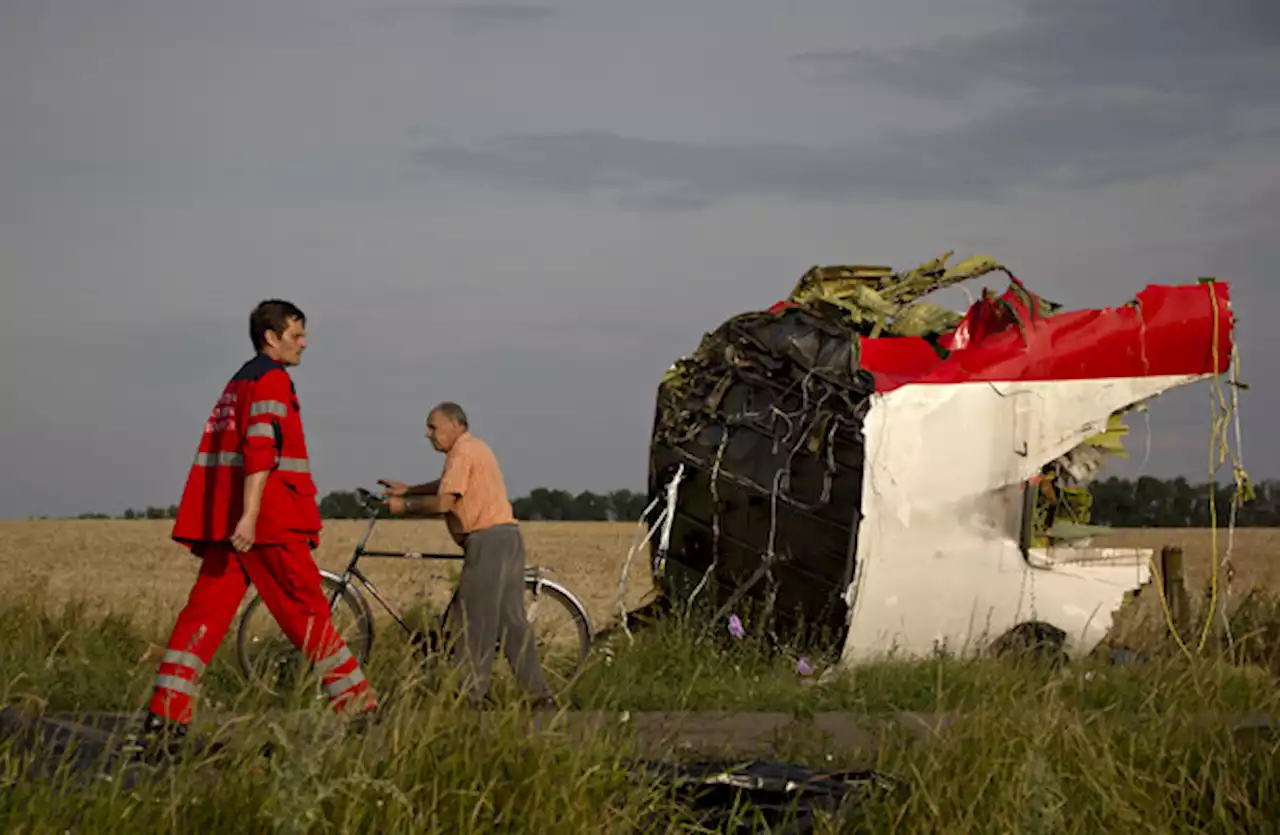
[(361, 723), (545, 703), (159, 739)]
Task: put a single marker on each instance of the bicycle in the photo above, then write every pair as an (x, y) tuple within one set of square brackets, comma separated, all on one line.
[(281, 657)]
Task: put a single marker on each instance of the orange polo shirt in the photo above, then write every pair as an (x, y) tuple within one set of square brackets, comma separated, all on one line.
[(471, 472)]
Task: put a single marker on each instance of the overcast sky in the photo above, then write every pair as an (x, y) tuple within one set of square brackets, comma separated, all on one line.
[(535, 209)]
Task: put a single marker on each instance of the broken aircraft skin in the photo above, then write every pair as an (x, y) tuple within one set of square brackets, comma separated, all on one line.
[(877, 473)]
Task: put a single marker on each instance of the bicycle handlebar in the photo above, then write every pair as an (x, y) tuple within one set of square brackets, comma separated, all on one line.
[(371, 502)]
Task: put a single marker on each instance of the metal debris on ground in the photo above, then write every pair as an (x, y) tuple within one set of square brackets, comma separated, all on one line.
[(73, 751), (738, 796)]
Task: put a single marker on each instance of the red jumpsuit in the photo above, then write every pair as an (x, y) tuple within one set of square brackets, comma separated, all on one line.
[(256, 425)]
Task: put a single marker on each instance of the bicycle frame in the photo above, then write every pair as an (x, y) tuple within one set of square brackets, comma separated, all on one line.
[(352, 570), (425, 639)]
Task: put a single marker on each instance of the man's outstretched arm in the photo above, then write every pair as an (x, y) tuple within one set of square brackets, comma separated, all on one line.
[(399, 488), (429, 506), (451, 484)]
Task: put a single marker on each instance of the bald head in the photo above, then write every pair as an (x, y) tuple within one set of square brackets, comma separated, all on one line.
[(445, 424), (452, 411)]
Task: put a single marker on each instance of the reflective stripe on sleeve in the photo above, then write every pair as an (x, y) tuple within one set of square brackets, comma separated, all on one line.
[(260, 430), (219, 459), (235, 459), (268, 407)]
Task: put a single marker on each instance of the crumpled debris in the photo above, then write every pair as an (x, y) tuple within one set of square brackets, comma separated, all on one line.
[(737, 796), (64, 747), (72, 750), (765, 418), (881, 302), (763, 395), (875, 301)]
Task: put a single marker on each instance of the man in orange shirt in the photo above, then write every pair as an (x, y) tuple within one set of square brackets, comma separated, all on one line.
[(472, 496)]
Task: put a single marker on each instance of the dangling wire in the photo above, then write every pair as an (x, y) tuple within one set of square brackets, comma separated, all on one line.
[(662, 524), (715, 519), (1219, 450)]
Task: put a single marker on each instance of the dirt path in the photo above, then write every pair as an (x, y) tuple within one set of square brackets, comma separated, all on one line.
[(851, 737)]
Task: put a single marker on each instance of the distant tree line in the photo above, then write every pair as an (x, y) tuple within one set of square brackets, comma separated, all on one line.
[(1117, 502), (170, 512), (1148, 502), (542, 503)]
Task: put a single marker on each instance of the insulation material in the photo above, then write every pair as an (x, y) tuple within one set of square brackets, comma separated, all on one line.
[(868, 469)]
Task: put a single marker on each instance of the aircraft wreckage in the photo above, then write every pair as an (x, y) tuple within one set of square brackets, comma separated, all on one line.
[(858, 465)]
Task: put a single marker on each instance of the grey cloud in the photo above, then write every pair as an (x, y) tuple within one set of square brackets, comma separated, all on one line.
[(1109, 93), (1189, 48), (907, 72), (1064, 141), (483, 17), (471, 18), (1256, 215)]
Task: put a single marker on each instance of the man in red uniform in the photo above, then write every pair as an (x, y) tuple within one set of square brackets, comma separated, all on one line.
[(249, 512)]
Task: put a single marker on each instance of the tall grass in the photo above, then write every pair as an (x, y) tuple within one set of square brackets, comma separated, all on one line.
[(1088, 747), (428, 766)]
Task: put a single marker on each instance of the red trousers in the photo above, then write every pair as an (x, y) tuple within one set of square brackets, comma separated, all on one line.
[(289, 582)]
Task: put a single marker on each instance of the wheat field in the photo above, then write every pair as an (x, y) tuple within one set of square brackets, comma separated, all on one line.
[(116, 564)]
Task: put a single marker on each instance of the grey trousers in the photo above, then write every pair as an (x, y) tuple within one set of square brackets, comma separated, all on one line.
[(488, 606)]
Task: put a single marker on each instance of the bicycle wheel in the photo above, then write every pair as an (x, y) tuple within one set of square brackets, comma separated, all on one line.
[(270, 660), (562, 633), (562, 630)]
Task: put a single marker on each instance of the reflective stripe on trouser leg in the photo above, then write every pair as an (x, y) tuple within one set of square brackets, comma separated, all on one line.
[(289, 581), (199, 629), (344, 682), (178, 683)]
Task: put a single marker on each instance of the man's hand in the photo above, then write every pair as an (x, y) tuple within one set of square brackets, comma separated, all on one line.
[(395, 505), (394, 488), (246, 529), (243, 536)]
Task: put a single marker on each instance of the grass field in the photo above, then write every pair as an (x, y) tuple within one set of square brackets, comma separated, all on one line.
[(1088, 748)]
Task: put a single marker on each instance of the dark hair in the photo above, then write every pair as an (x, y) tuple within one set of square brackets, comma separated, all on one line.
[(453, 412), (272, 315)]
